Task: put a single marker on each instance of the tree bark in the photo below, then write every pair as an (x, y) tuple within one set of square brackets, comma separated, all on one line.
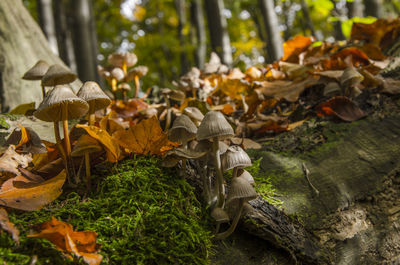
[(217, 26), (22, 44), (337, 25), (46, 22), (355, 9), (63, 33), (374, 8), (197, 18), (84, 39), (274, 40), (307, 17), (180, 6)]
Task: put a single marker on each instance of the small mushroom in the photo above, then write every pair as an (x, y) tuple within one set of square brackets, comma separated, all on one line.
[(171, 94), (220, 217), (215, 127), (135, 74), (247, 176), (95, 97), (123, 60), (37, 72), (235, 157), (240, 192), (183, 130), (61, 104), (194, 114), (58, 75), (124, 87), (84, 146)]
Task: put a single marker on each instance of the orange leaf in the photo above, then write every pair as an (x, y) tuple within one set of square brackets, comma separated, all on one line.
[(6, 225), (145, 137), (82, 244), (337, 60), (341, 107), (33, 196), (292, 48), (112, 148)]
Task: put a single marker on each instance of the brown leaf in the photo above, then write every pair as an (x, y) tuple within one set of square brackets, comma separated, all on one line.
[(10, 161), (391, 86), (245, 143), (6, 225), (341, 107), (112, 148), (81, 244), (292, 48), (337, 61), (145, 137), (33, 196)]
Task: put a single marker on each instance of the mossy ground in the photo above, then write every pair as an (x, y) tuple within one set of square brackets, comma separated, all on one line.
[(143, 214)]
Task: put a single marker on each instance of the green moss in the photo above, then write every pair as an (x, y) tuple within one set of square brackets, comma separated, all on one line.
[(3, 123), (11, 117), (143, 214)]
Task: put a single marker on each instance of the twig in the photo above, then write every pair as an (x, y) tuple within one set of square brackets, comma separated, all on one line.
[(306, 174)]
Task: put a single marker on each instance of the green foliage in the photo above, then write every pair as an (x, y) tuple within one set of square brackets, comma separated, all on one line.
[(4, 124), (143, 215)]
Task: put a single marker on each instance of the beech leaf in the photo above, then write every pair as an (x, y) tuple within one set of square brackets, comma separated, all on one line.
[(341, 107)]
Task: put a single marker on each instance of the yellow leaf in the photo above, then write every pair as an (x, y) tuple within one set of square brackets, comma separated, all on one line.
[(23, 109)]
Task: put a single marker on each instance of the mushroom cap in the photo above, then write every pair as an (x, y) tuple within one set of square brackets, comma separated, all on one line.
[(139, 70), (185, 153), (206, 146), (57, 75), (91, 91), (86, 144), (119, 58), (219, 215), (182, 130), (37, 71), (193, 113), (173, 94), (350, 77), (51, 107), (124, 86), (247, 176), (235, 156), (240, 189), (117, 73), (214, 125)]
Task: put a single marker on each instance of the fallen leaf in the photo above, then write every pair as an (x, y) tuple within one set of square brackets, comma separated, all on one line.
[(23, 109), (112, 148), (81, 244), (6, 225), (245, 143), (10, 161), (112, 123), (341, 107), (391, 86), (337, 61), (145, 137), (33, 197), (292, 48)]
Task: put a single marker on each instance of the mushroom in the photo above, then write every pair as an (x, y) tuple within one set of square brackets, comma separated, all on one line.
[(124, 87), (61, 104), (123, 60), (57, 75), (235, 157), (215, 127), (194, 114), (220, 217), (116, 75), (349, 80), (247, 176), (37, 72), (135, 74), (240, 191), (95, 97), (171, 94), (84, 146)]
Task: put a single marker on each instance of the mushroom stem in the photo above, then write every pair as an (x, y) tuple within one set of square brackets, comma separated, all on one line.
[(87, 168), (220, 177), (124, 67), (114, 86), (137, 84), (230, 230), (92, 116), (235, 172), (124, 96), (183, 167), (194, 93), (58, 141), (65, 129), (43, 91), (168, 120)]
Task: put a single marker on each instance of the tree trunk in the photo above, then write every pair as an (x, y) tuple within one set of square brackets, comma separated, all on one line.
[(64, 38), (217, 27), (197, 18), (180, 6), (307, 17), (374, 8), (337, 25), (46, 22), (84, 39), (355, 9), (22, 44), (274, 40)]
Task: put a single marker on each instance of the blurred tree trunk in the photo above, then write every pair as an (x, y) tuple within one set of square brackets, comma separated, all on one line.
[(337, 25), (64, 38), (197, 18), (256, 16), (374, 8), (355, 9), (46, 22), (22, 44), (83, 30), (286, 12), (217, 25), (180, 6), (307, 18), (274, 40)]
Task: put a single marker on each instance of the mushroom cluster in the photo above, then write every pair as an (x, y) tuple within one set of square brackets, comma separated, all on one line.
[(118, 76), (204, 139)]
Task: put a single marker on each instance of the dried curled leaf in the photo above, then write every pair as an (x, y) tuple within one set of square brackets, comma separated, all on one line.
[(341, 107), (81, 244), (145, 137), (292, 48), (10, 161)]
